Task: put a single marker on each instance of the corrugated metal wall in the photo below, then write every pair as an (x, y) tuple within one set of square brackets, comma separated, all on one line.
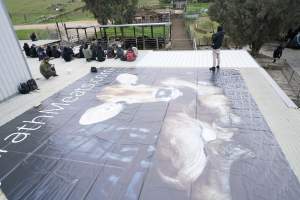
[(13, 67)]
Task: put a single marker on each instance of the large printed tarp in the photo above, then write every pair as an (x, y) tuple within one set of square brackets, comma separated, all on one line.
[(146, 133)]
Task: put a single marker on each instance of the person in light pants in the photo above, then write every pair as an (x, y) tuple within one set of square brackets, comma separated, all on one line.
[(217, 40)]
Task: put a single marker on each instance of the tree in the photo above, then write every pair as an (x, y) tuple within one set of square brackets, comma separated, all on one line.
[(254, 22), (115, 11)]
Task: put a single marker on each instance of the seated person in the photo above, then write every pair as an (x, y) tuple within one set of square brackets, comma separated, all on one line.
[(80, 55), (46, 69), (33, 37), (119, 52), (94, 51), (55, 52), (41, 53), (33, 52), (110, 52), (100, 54), (67, 54), (87, 52), (26, 49), (136, 51), (49, 51), (130, 55)]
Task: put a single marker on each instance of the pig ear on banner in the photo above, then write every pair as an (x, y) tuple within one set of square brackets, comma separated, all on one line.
[(100, 113)]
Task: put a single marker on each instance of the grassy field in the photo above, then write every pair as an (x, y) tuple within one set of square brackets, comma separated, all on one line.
[(35, 11), (24, 34), (129, 32), (193, 8)]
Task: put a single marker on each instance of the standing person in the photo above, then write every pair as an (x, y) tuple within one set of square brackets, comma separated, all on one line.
[(26, 49), (47, 69), (217, 40), (277, 53)]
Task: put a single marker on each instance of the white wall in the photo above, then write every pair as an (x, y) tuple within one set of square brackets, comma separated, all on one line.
[(13, 67)]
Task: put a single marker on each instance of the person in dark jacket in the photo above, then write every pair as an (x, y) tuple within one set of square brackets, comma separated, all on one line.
[(277, 53), (217, 40), (41, 53), (100, 54), (33, 52), (81, 55), (49, 51), (26, 49), (55, 52), (33, 37), (67, 54), (94, 51)]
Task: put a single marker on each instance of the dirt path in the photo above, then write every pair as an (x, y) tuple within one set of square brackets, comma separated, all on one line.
[(53, 25), (180, 38)]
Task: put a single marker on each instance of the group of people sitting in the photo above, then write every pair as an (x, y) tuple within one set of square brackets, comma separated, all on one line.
[(92, 52), (96, 52), (41, 52)]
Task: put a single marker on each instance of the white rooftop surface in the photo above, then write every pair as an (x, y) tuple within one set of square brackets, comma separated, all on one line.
[(37, 43), (280, 113)]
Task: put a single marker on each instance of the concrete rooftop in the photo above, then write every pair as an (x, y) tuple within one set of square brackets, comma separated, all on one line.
[(280, 114)]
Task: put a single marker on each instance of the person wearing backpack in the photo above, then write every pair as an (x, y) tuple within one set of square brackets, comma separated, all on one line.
[(46, 69), (217, 40), (130, 55)]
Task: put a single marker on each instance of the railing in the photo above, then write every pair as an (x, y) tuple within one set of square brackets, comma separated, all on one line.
[(293, 78)]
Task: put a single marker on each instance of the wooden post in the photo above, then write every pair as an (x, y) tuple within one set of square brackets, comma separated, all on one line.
[(122, 32), (86, 36), (96, 33), (101, 35), (105, 34), (152, 35), (78, 37), (143, 34), (134, 34), (58, 30), (66, 29)]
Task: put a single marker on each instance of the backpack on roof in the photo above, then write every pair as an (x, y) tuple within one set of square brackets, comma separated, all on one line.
[(23, 88), (32, 85)]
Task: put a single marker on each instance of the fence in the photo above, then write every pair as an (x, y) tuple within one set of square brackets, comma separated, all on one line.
[(293, 78)]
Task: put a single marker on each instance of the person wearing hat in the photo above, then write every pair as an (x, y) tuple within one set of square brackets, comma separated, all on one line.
[(47, 69)]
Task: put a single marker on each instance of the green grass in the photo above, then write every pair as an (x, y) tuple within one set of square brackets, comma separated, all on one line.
[(202, 29), (196, 8), (129, 32), (34, 11), (41, 34), (37, 11)]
